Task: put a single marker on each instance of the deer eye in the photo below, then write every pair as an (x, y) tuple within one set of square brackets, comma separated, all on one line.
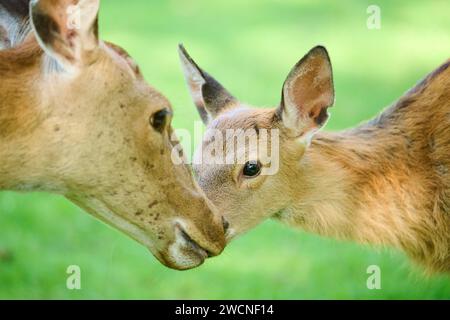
[(159, 119), (252, 169)]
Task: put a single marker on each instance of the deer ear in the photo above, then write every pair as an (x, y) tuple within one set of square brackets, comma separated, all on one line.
[(67, 29), (307, 94), (209, 96)]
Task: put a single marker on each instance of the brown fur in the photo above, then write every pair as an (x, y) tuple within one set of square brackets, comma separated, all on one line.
[(395, 173), (386, 182), (85, 133)]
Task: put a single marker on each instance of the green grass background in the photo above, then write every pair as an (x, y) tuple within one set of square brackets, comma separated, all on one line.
[(250, 46)]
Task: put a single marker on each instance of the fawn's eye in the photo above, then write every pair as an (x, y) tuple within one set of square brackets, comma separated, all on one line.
[(159, 119), (252, 169)]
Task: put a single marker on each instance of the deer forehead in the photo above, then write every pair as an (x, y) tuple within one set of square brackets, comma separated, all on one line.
[(113, 82), (245, 118)]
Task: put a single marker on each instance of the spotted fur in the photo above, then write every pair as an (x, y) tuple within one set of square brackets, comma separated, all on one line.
[(77, 123)]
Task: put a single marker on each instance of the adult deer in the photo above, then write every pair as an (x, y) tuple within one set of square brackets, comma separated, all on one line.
[(78, 119), (385, 182)]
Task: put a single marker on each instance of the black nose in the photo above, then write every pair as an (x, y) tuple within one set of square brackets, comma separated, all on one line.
[(226, 224)]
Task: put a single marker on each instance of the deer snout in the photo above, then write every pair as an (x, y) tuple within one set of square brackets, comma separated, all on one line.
[(208, 232), (199, 231), (190, 248), (210, 238), (226, 225), (201, 221)]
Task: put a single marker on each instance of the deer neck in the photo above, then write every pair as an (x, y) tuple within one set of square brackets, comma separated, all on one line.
[(355, 186)]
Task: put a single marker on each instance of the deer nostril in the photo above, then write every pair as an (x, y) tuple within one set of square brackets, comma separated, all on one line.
[(226, 224), (194, 244)]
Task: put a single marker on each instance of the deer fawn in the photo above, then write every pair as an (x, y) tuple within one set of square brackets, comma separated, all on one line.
[(385, 182), (78, 119)]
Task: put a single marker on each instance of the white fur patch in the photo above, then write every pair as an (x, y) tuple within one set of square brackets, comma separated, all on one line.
[(175, 250), (16, 30), (102, 211)]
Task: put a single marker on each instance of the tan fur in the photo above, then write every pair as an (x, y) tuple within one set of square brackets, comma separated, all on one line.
[(87, 136), (386, 182)]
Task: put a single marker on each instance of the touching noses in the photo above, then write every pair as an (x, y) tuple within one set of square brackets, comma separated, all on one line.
[(226, 225)]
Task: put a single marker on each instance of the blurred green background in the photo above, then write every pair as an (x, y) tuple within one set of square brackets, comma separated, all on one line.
[(250, 46)]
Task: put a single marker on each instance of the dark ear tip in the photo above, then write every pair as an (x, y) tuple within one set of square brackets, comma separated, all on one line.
[(186, 59), (320, 50), (181, 48), (183, 52)]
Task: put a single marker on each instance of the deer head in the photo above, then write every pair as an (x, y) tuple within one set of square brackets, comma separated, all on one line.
[(78, 119), (243, 189)]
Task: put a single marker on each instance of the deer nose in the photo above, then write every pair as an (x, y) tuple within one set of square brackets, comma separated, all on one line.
[(226, 224)]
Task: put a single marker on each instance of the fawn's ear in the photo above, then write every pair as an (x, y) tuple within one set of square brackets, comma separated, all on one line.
[(209, 96), (67, 29), (307, 94)]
